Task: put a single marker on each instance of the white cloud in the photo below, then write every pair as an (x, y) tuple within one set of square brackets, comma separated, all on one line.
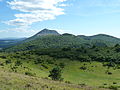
[(35, 11), (63, 5)]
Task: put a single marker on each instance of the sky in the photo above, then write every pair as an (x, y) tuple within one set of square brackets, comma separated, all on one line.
[(24, 18)]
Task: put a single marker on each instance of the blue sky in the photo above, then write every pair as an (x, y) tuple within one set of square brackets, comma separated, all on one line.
[(24, 18)]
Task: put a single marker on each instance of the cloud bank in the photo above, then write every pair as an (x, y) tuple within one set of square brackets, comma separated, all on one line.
[(32, 11)]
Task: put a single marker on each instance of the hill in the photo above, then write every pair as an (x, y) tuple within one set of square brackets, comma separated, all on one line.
[(46, 32), (86, 61), (96, 67), (52, 39), (17, 81), (107, 39)]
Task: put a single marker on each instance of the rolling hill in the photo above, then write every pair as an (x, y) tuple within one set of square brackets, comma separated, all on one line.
[(95, 68), (52, 39), (87, 62)]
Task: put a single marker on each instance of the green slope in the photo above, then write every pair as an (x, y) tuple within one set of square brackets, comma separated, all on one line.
[(95, 67), (66, 40), (92, 78), (15, 81)]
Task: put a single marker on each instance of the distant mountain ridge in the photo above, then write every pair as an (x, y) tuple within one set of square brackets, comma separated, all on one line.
[(6, 42), (52, 39)]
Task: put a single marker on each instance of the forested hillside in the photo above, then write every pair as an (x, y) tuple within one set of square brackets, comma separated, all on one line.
[(52, 39)]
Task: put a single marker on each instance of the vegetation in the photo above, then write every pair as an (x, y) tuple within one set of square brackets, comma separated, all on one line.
[(65, 40), (55, 73), (14, 81), (79, 66), (62, 62)]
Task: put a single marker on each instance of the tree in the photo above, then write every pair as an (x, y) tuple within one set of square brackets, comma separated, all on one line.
[(55, 73)]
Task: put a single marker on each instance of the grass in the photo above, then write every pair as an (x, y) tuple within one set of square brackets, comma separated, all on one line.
[(94, 76), (15, 81)]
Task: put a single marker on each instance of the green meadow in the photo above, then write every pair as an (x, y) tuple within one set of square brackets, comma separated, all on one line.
[(94, 76)]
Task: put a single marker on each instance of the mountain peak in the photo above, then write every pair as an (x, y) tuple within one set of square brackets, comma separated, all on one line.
[(45, 32)]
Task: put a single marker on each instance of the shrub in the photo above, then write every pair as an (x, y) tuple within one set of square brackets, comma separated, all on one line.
[(38, 61), (3, 57), (117, 49), (109, 73), (55, 73), (14, 68), (68, 82), (113, 87), (45, 66), (105, 84), (118, 67), (83, 68), (114, 82), (1, 64), (8, 61), (28, 85), (29, 73), (50, 62), (18, 63), (82, 84)]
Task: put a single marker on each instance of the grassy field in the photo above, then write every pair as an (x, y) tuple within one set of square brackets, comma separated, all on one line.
[(15, 81), (93, 76)]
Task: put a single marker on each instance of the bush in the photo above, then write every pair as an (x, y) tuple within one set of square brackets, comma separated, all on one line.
[(82, 84), (8, 61), (50, 62), (113, 87), (68, 82), (55, 74), (14, 68), (18, 63), (1, 64), (118, 67), (45, 66), (109, 73), (105, 84), (114, 82), (28, 85), (83, 68), (3, 57), (29, 73), (38, 61)]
